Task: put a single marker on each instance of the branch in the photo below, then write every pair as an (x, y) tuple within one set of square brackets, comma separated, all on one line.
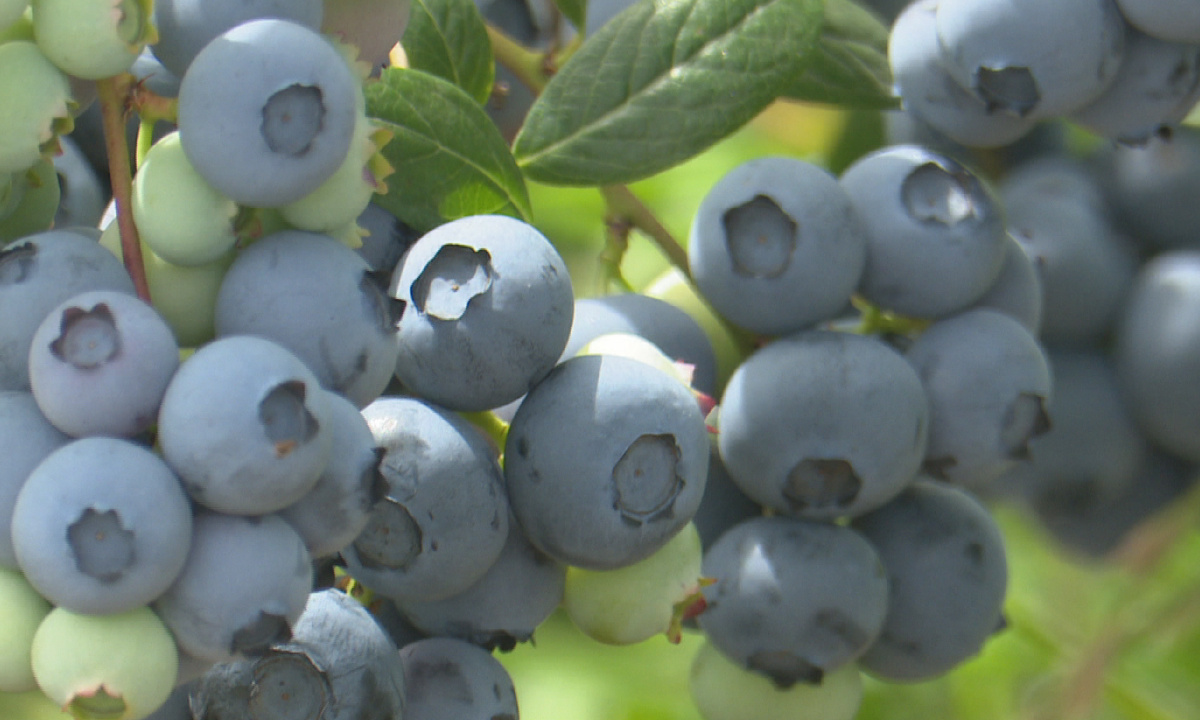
[(113, 93), (532, 68), (623, 205)]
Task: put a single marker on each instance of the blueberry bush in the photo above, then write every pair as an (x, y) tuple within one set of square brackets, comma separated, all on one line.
[(599, 359)]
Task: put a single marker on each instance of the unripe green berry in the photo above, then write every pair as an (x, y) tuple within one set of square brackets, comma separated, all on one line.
[(182, 218), (24, 610), (723, 690), (186, 297), (341, 199), (93, 39), (11, 11), (38, 194), (35, 108), (105, 667), (636, 602)]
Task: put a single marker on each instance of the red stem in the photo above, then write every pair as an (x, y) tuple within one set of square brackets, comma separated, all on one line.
[(112, 93)]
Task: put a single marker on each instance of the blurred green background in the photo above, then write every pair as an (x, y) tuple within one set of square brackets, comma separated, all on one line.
[(1103, 639)]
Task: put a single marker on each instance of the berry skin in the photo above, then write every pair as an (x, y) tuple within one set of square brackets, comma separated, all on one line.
[(36, 107), (102, 526), (185, 27), (605, 461), (118, 667), (926, 216), (100, 363), (93, 39), (947, 576), (182, 218), (776, 246), (489, 308), (243, 424), (1011, 54), (284, 128), (801, 427)]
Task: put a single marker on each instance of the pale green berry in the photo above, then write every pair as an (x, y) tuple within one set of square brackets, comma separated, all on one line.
[(93, 39), (723, 690), (186, 297), (39, 194), (11, 11), (35, 109), (344, 195), (105, 667), (24, 610), (181, 217), (638, 601)]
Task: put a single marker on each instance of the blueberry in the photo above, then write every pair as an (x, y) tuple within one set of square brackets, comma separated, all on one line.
[(504, 607), (242, 589), (988, 385), (444, 518), (447, 678), (102, 526), (1011, 54), (1085, 265), (1174, 20), (488, 312), (36, 274), (336, 509), (338, 664), (283, 128), (926, 216), (244, 424), (1158, 361), (1155, 88), (932, 96), (947, 573), (793, 599), (605, 461), (185, 27), (668, 327), (823, 424), (100, 364), (776, 246), (26, 438), (317, 298), (1093, 451)]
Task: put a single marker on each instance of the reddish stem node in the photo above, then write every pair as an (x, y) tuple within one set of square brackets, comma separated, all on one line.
[(113, 94)]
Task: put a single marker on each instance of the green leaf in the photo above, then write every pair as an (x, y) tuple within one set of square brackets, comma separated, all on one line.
[(450, 159), (660, 83), (851, 65), (574, 10), (448, 38)]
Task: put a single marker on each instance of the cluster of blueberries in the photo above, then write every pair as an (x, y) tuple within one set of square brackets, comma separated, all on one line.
[(985, 72), (440, 427)]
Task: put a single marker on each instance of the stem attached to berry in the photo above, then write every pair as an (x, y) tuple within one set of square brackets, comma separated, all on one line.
[(112, 95)]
